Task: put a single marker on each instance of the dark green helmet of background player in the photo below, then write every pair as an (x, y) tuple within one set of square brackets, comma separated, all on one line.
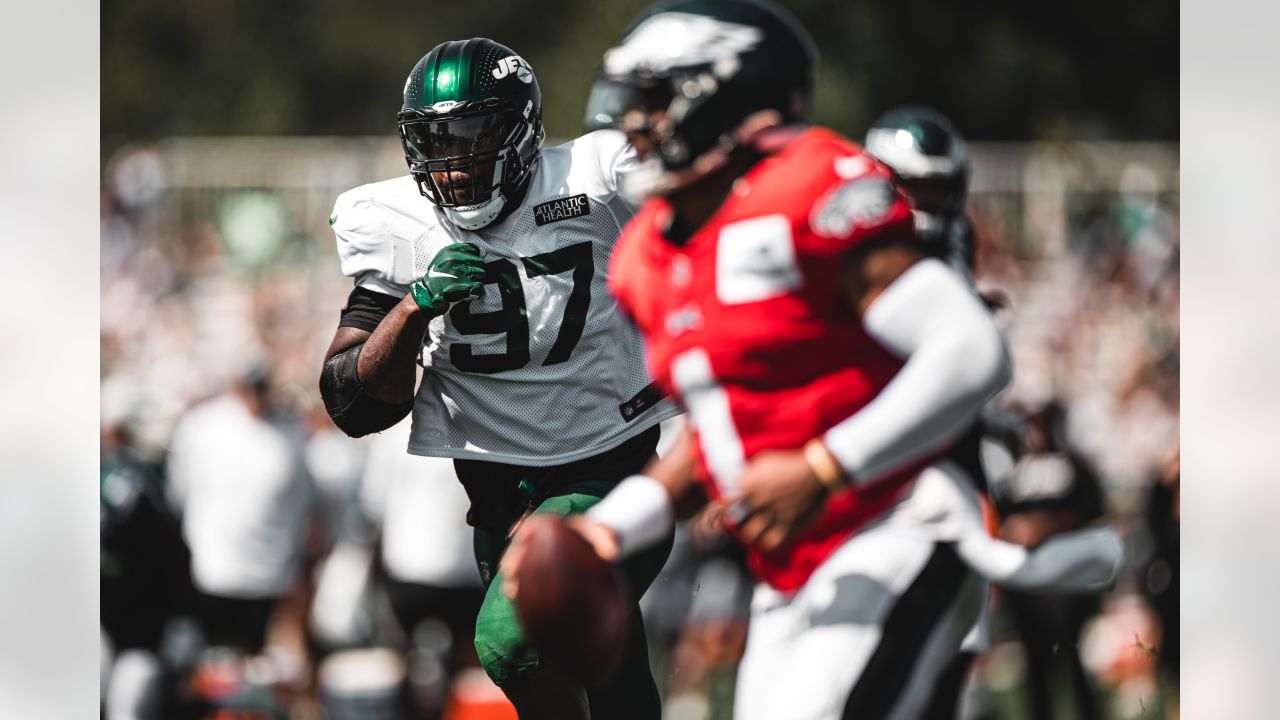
[(471, 127), (710, 65)]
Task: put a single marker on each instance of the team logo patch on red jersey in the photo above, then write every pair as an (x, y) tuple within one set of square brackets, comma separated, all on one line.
[(857, 203)]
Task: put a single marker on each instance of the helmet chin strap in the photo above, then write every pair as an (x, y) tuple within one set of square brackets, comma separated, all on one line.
[(475, 217)]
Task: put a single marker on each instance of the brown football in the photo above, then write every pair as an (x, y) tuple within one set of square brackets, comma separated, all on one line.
[(572, 605)]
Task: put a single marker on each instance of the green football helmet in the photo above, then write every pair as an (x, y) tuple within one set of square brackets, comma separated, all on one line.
[(709, 64), (471, 127)]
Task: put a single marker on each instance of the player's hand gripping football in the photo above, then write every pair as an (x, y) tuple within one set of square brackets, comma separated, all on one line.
[(602, 539), (780, 495), (571, 603), (455, 274)]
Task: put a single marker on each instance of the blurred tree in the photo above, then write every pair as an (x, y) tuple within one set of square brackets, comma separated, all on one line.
[(1004, 70)]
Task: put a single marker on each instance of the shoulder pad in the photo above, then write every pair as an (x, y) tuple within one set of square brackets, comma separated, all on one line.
[(371, 242), (609, 153)]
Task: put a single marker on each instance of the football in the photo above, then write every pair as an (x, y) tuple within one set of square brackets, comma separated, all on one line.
[(573, 605)]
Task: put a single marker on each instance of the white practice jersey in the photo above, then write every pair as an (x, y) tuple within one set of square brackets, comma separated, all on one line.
[(541, 369)]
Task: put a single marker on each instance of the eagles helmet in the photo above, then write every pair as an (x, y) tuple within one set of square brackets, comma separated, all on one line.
[(709, 64), (471, 127), (930, 162)]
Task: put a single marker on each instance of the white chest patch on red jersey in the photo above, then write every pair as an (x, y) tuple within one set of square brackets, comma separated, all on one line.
[(756, 260)]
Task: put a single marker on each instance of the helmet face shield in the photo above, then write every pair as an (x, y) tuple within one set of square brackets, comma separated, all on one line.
[(433, 138), (459, 159), (613, 98)]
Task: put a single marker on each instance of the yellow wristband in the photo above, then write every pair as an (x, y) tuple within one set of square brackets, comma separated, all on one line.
[(824, 465)]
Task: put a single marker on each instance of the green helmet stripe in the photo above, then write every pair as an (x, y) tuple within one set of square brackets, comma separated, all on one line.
[(448, 75)]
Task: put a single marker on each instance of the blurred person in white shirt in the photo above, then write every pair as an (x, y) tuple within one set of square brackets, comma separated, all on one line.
[(245, 500), (427, 564)]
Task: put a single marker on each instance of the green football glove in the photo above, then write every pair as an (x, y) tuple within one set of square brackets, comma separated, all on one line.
[(455, 274)]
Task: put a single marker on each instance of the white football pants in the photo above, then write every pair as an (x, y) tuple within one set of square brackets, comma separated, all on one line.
[(872, 630)]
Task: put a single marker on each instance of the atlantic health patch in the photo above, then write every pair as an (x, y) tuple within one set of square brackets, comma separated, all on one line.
[(561, 209)]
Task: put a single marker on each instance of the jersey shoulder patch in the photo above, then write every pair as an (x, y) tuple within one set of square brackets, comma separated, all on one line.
[(859, 197), (864, 202)]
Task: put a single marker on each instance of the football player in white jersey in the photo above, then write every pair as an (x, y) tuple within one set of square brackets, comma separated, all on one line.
[(487, 264)]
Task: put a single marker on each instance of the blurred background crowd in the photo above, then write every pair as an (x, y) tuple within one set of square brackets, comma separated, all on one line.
[(256, 562)]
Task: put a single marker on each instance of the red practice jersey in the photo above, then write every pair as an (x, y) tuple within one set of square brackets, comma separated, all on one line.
[(746, 322)]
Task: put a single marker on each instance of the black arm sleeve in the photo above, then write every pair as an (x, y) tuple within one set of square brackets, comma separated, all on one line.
[(365, 308), (354, 411)]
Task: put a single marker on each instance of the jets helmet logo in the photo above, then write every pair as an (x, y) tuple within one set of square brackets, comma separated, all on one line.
[(513, 64)]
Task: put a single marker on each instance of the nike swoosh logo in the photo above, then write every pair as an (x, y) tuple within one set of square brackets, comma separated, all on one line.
[(436, 273)]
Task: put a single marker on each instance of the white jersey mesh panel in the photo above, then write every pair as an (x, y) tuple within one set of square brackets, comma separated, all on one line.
[(545, 411)]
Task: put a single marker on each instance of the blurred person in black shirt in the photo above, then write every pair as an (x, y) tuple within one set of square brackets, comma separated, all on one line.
[(144, 566), (1051, 491)]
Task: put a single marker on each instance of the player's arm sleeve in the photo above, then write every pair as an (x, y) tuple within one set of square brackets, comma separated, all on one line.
[(955, 361), (356, 412), (1077, 561), (643, 508), (366, 307)]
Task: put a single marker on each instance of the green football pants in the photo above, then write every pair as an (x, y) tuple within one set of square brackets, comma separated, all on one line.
[(500, 642)]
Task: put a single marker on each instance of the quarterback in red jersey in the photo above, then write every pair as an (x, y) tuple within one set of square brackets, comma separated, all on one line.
[(825, 362), (747, 323)]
